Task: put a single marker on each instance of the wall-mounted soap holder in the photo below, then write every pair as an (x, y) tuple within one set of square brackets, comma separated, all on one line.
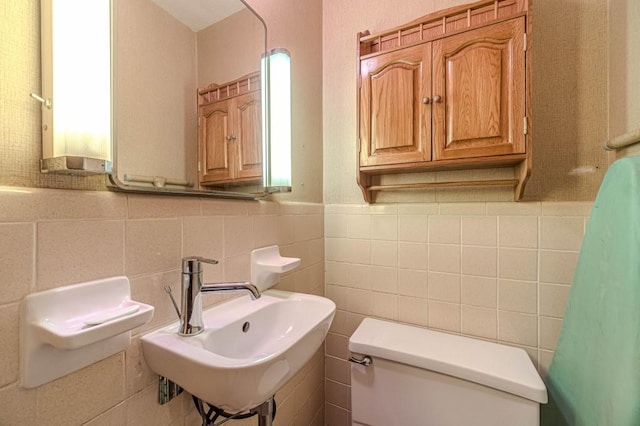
[(68, 328), (267, 265)]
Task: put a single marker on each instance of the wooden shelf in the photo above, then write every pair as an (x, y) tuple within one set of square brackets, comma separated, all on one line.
[(441, 24), (432, 132)]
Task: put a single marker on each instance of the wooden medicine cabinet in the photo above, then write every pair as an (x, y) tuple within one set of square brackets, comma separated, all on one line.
[(450, 90), (230, 133)]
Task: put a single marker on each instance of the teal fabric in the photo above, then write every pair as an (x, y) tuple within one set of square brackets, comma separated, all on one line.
[(594, 378)]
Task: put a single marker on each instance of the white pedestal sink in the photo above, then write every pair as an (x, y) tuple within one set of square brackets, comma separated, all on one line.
[(248, 350)]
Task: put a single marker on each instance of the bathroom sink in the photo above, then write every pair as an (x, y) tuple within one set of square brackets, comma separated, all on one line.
[(248, 350)]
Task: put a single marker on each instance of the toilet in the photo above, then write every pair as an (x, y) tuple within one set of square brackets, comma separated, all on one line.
[(409, 376)]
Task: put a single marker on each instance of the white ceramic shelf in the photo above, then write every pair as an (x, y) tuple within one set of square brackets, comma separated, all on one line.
[(267, 265), (68, 328)]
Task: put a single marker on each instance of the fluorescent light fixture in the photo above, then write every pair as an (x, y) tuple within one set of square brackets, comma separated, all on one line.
[(276, 92), (76, 85)]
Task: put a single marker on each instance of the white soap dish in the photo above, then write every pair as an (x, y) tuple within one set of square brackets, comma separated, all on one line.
[(267, 265), (83, 330), (67, 328)]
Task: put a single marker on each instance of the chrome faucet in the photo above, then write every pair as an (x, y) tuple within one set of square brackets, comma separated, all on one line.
[(191, 322)]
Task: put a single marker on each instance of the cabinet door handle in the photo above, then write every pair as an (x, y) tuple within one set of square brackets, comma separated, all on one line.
[(231, 138), (437, 99), (426, 100)]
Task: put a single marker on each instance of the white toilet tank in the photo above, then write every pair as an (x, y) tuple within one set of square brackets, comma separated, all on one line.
[(421, 377)]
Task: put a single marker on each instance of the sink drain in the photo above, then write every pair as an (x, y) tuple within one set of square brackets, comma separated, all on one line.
[(245, 326)]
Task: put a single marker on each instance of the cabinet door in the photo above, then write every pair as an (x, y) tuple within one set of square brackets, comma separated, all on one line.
[(248, 136), (395, 109), (215, 140), (480, 77)]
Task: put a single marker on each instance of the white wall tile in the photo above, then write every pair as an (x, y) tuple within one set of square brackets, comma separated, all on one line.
[(561, 233), (384, 253), (413, 228), (518, 264), (549, 332), (463, 208), (518, 328), (17, 261), (514, 209), (518, 296), (335, 226), (359, 226), (418, 208), (444, 258), (479, 230), (444, 287), (384, 227), (557, 266), (335, 249), (412, 255), (479, 322), (359, 251), (385, 305), (359, 276), (412, 283), (9, 338), (553, 299), (481, 261), (413, 310), (238, 235), (479, 291), (336, 273), (384, 279), (69, 252), (518, 231), (444, 316), (444, 229)]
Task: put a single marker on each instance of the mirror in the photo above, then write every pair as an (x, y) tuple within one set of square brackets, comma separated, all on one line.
[(173, 59)]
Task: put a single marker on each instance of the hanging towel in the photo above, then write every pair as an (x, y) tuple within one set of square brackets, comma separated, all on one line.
[(594, 378)]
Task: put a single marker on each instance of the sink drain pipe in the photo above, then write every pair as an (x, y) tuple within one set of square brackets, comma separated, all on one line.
[(266, 413)]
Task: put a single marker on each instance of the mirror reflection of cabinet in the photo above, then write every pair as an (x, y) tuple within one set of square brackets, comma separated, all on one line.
[(164, 51), (230, 133)]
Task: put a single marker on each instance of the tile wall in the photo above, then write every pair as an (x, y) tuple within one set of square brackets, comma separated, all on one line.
[(494, 271), (50, 238)]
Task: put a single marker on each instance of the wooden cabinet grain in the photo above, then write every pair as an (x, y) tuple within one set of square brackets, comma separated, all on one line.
[(447, 91), (479, 76), (395, 126), (230, 140)]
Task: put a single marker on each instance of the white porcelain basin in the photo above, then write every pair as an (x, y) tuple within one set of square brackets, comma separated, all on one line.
[(236, 369)]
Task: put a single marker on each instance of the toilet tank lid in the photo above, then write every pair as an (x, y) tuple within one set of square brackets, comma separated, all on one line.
[(498, 366)]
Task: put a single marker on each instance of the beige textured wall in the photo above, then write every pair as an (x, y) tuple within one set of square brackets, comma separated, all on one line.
[(230, 48), (64, 237), (569, 92), (624, 68), (155, 86)]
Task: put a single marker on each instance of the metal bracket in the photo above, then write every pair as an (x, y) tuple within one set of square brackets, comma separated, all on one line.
[(366, 360), (167, 390), (43, 101)]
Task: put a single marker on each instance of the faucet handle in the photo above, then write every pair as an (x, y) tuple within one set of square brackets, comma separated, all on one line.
[(191, 264)]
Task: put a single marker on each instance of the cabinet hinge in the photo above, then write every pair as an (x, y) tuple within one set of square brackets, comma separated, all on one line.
[(525, 42), (524, 125), (198, 166)]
